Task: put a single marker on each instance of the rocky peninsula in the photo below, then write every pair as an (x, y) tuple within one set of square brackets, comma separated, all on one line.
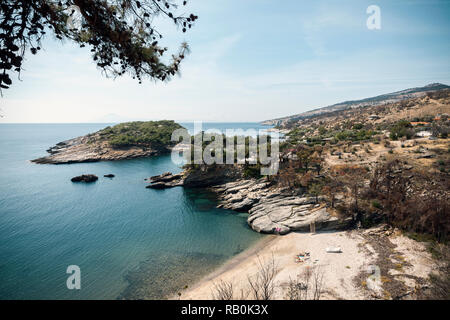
[(120, 142)]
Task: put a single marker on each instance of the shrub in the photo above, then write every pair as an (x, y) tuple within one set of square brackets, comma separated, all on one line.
[(156, 134), (376, 204), (401, 129)]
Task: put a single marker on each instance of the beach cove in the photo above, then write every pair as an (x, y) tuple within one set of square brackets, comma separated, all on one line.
[(129, 242)]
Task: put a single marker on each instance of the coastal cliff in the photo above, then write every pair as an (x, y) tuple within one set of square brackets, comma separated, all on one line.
[(123, 141)]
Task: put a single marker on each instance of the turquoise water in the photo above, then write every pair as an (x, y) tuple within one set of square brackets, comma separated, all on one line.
[(129, 242)]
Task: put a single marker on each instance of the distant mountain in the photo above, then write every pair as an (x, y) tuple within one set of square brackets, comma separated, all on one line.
[(378, 100)]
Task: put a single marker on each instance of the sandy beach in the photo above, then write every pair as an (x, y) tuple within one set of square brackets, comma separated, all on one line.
[(346, 275)]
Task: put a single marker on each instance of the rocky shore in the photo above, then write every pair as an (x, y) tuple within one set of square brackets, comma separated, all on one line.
[(271, 209), (275, 210), (165, 180), (123, 141), (82, 150)]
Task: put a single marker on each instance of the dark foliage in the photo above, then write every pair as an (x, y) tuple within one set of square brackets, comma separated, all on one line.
[(401, 129), (120, 33), (413, 201), (155, 134), (440, 280)]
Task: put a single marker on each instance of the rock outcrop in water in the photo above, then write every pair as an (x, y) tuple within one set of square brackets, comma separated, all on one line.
[(202, 177), (166, 180), (271, 209), (85, 178)]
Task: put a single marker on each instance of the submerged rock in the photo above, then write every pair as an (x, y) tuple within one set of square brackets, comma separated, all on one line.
[(110, 175), (85, 178)]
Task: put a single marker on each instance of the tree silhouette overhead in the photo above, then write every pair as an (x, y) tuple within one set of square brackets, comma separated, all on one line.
[(121, 34)]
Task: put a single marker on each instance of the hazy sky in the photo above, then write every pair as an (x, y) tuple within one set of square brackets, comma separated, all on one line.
[(251, 60)]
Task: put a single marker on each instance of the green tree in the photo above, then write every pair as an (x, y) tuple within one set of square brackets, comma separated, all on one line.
[(121, 34), (401, 129)]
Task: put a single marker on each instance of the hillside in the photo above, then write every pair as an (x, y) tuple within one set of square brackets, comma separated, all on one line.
[(381, 172), (123, 141), (378, 100)]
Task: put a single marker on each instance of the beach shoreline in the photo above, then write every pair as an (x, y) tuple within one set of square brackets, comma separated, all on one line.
[(346, 275), (228, 265), (283, 249)]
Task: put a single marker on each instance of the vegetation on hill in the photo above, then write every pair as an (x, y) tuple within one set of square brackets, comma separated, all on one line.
[(374, 160), (388, 163), (154, 134)]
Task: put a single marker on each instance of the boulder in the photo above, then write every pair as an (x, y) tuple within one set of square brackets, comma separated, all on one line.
[(85, 178)]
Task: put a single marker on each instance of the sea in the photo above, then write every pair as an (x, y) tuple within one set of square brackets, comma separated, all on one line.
[(128, 242)]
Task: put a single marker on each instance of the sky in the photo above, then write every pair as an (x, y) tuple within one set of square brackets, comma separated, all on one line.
[(250, 60)]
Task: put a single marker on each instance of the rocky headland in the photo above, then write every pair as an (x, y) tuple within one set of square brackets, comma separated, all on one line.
[(80, 150), (123, 141)]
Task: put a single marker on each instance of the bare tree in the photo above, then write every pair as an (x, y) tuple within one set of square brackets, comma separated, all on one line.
[(295, 289), (262, 284), (243, 294), (222, 290), (307, 286), (353, 177), (317, 282)]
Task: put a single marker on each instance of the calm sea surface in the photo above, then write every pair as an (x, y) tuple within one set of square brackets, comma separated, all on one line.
[(129, 242)]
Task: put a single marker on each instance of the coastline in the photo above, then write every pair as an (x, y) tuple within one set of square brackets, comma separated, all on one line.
[(338, 277), (231, 264), (345, 275)]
